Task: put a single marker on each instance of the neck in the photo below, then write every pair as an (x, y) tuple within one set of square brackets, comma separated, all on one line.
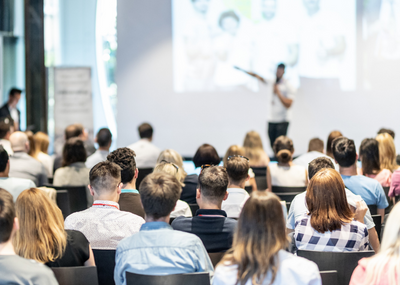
[(150, 219), (6, 248), (104, 148), (207, 205), (240, 185), (130, 185), (4, 174), (107, 197), (285, 164), (348, 171)]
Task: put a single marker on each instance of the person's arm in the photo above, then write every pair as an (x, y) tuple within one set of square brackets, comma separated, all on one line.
[(374, 240), (119, 269), (253, 184), (285, 101), (90, 261), (204, 263), (382, 213), (269, 180)]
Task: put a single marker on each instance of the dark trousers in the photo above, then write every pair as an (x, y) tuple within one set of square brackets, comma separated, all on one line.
[(276, 130)]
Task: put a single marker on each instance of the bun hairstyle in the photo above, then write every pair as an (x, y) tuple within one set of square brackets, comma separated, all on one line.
[(283, 149)]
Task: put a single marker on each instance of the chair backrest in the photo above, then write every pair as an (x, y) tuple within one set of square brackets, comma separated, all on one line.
[(343, 262), (261, 182), (329, 277), (105, 262), (194, 208), (287, 197), (373, 209), (80, 275), (248, 189), (260, 171), (282, 189), (201, 278), (216, 257), (378, 225), (143, 172), (63, 202), (397, 198), (77, 196)]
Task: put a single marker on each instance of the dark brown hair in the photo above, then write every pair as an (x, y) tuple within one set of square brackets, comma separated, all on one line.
[(237, 168), (386, 131), (145, 131), (74, 151), (344, 151), (7, 215), (125, 158), (316, 144), (206, 154), (318, 164), (73, 131), (283, 149), (105, 176), (333, 135), (369, 153), (213, 183)]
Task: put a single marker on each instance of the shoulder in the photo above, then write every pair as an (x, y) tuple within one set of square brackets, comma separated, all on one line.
[(193, 178), (182, 223), (296, 265), (231, 223), (225, 274), (77, 237), (77, 216), (131, 217), (35, 270)]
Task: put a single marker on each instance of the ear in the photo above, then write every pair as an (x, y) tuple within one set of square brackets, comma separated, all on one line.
[(91, 190), (226, 196), (198, 193), (95, 139), (16, 224), (119, 187), (136, 173), (248, 177)]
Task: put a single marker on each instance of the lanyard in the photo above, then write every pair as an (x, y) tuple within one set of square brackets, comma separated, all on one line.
[(106, 205)]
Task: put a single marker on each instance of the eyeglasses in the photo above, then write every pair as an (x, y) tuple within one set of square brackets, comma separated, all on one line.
[(241, 156), (173, 164)]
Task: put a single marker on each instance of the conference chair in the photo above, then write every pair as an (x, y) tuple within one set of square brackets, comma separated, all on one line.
[(79, 275), (249, 189), (329, 277), (77, 196), (373, 209), (171, 220), (194, 208), (105, 263), (260, 175), (343, 262), (388, 209), (287, 197), (143, 172), (378, 225), (63, 202), (397, 198), (282, 189), (198, 278), (216, 257)]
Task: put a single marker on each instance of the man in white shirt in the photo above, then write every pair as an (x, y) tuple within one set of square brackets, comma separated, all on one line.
[(104, 140), (103, 224), (146, 152), (315, 150)]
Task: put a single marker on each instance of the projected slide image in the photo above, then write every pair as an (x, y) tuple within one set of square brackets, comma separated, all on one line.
[(314, 38)]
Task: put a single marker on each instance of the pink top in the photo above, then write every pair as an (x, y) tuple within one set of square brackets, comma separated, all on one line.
[(384, 177), (359, 275), (395, 184)]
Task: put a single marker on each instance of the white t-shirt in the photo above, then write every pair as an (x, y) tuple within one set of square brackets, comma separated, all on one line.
[(146, 153), (279, 113), (287, 176), (181, 209), (306, 158), (233, 204)]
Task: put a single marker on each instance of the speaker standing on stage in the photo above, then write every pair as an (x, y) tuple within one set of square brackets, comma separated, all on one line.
[(9, 109)]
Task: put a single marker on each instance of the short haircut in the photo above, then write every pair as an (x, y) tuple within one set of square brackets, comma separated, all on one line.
[(237, 168), (283, 149), (5, 125), (316, 144), (159, 193), (105, 176), (125, 158), (344, 151), (145, 131), (386, 131), (213, 182), (74, 151), (7, 215), (104, 137), (3, 158), (282, 65), (228, 14), (14, 91), (206, 154), (318, 164), (73, 131)]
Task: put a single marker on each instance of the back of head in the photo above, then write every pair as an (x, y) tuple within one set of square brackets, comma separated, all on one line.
[(19, 141), (73, 131), (33, 150), (387, 152), (170, 168), (159, 193), (41, 235), (318, 164), (206, 154), (125, 158), (326, 201), (253, 147), (172, 156), (14, 91), (74, 151), (145, 131), (5, 127), (41, 141), (233, 150), (316, 144), (369, 154), (104, 137), (237, 168), (333, 135), (283, 149), (344, 151), (213, 183), (7, 215), (105, 177), (387, 131)]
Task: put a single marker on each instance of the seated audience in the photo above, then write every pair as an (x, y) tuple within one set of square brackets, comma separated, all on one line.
[(258, 254), (285, 173), (254, 150), (382, 268), (5, 133), (104, 140), (369, 189), (129, 200), (74, 171), (22, 165), (298, 206), (210, 223), (12, 184), (42, 236), (157, 249), (315, 150), (394, 189), (181, 208), (42, 144), (103, 224), (371, 166), (146, 152), (387, 152), (13, 268), (237, 168), (392, 134), (332, 136), (330, 224)]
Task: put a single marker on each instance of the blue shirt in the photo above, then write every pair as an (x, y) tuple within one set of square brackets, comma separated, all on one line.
[(159, 250), (369, 189)]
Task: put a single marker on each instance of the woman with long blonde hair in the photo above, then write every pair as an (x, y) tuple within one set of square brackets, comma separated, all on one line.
[(42, 236), (387, 152), (258, 253), (42, 144), (254, 150)]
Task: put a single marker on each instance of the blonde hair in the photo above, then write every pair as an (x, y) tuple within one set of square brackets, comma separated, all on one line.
[(172, 156), (41, 141), (233, 150), (387, 261), (41, 235), (33, 149), (168, 167), (253, 147), (387, 152)]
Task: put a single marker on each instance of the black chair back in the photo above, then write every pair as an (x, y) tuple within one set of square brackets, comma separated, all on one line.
[(80, 275), (378, 225), (260, 171), (105, 262), (329, 277), (343, 262), (390, 201), (194, 208), (216, 257), (287, 197), (143, 172), (77, 196), (397, 198), (373, 209), (201, 278), (261, 182), (63, 202), (248, 189), (282, 189)]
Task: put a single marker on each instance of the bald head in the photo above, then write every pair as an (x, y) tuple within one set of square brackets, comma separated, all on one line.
[(19, 142)]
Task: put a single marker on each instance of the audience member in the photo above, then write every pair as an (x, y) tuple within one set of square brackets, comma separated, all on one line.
[(333, 135), (10, 109), (387, 152), (254, 150), (382, 268), (386, 131), (298, 206), (32, 145), (42, 144), (15, 269), (5, 133), (103, 224), (369, 189), (330, 217), (394, 186), (104, 140), (315, 150), (210, 223), (371, 166), (285, 173), (74, 171), (129, 200), (22, 165), (147, 153), (157, 249), (13, 185), (42, 236), (258, 253)]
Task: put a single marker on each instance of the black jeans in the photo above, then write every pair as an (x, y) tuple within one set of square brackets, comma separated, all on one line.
[(276, 130)]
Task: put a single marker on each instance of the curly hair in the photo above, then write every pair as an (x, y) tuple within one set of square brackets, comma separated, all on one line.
[(125, 158)]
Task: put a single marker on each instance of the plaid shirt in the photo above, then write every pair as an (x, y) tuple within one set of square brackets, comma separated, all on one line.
[(352, 236)]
